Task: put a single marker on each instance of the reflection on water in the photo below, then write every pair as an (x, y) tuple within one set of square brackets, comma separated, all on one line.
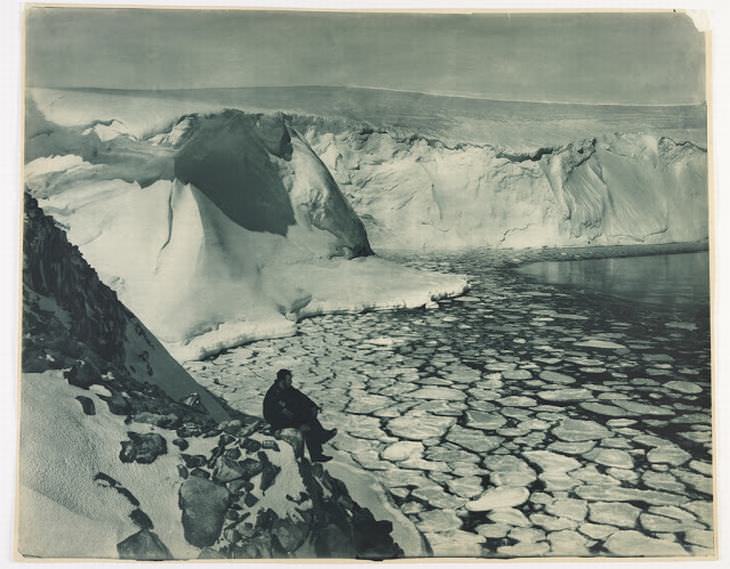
[(680, 280)]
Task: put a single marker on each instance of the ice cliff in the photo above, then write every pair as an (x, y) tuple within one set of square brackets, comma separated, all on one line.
[(415, 193), (221, 229), (124, 455)]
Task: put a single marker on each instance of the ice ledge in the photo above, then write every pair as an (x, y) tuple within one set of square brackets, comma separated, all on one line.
[(336, 287)]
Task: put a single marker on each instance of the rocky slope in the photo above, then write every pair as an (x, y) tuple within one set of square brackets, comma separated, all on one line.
[(415, 193), (123, 455), (236, 207)]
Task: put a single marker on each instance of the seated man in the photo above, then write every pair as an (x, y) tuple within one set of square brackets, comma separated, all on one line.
[(285, 407)]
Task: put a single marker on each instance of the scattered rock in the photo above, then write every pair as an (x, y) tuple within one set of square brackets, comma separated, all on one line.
[(82, 374), (142, 448), (227, 469), (144, 545), (203, 504), (87, 405), (168, 421)]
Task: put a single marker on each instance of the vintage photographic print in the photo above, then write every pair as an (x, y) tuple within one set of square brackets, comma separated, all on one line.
[(364, 285)]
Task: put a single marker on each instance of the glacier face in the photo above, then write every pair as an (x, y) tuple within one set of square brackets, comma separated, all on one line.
[(420, 194), (223, 229)]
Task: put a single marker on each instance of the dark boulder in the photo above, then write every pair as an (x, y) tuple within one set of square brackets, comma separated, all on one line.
[(87, 405), (227, 469), (82, 374), (250, 445), (251, 467), (141, 519), (144, 545), (168, 421), (118, 404), (203, 504), (142, 448), (193, 460), (331, 541), (290, 534)]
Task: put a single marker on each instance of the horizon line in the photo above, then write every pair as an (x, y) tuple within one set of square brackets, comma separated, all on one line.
[(442, 94)]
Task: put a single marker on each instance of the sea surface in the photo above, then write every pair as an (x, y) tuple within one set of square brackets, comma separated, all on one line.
[(559, 409), (679, 280)]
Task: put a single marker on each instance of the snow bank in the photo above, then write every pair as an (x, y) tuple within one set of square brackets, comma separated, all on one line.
[(64, 512), (419, 194)]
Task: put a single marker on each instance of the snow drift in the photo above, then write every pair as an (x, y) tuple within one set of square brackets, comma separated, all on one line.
[(223, 229), (420, 194)]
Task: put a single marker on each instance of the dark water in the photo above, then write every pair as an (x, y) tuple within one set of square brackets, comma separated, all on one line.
[(678, 281)]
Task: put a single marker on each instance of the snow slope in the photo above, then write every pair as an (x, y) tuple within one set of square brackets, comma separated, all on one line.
[(239, 232), (420, 194), (95, 383)]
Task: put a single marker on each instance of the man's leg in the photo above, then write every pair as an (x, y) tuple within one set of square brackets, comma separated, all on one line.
[(312, 439), (319, 431)]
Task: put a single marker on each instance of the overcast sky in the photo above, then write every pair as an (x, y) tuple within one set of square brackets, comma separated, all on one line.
[(607, 58)]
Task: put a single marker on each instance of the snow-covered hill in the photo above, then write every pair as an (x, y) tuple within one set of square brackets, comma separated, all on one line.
[(221, 229), (123, 455), (420, 194)]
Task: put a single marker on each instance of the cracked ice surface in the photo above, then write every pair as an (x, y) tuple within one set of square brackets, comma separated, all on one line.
[(532, 420)]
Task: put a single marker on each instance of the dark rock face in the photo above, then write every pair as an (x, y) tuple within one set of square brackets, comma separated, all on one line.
[(203, 504), (83, 374), (141, 519), (332, 541), (118, 404), (142, 448), (54, 268), (143, 545), (72, 321)]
